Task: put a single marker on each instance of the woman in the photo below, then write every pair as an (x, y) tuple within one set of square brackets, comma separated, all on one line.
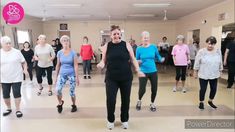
[(208, 67), (229, 59), (86, 54), (180, 55), (117, 55), (45, 54), (66, 69), (13, 66), (28, 55), (193, 53), (146, 56)]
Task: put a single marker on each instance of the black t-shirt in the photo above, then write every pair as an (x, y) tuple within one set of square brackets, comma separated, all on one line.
[(231, 54), (28, 55), (118, 62)]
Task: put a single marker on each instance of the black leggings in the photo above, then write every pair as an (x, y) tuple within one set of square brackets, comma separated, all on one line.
[(111, 93), (86, 67), (203, 87), (180, 73), (30, 71), (142, 85), (40, 73), (6, 90)]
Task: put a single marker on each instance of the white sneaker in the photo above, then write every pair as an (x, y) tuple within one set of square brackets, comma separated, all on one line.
[(174, 89), (110, 125), (124, 125), (184, 90)]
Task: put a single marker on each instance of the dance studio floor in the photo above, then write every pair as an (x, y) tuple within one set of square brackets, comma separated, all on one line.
[(40, 113)]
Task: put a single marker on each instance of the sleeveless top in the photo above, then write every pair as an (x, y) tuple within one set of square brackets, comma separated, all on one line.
[(118, 62)]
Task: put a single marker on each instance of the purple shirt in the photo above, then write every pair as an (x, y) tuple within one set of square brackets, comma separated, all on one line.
[(180, 52)]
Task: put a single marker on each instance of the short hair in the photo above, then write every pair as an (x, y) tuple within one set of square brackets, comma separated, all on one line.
[(164, 38), (66, 37), (42, 36), (26, 42), (85, 37), (145, 33), (211, 40), (5, 40), (180, 37), (114, 27)]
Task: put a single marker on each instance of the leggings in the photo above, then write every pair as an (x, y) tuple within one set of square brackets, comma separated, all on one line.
[(40, 73), (6, 90), (180, 73), (203, 87), (61, 82), (142, 85), (112, 87)]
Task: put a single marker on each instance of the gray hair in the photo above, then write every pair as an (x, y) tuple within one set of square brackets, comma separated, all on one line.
[(180, 37), (5, 40), (64, 37), (42, 36), (145, 33)]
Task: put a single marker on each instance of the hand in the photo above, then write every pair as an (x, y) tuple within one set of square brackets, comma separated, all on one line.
[(225, 63), (36, 58), (77, 80), (100, 65), (141, 74), (25, 71), (189, 62), (163, 59)]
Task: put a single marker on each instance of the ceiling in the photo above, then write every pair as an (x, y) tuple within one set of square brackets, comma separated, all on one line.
[(105, 9)]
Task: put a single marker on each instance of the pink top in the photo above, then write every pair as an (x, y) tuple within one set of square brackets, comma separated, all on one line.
[(180, 52), (86, 52)]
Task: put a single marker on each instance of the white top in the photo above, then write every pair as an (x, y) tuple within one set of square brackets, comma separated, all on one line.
[(164, 45), (11, 66), (208, 63), (44, 54)]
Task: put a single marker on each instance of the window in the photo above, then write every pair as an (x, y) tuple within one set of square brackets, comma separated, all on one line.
[(22, 36)]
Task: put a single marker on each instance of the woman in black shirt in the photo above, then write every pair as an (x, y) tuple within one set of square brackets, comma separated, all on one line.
[(117, 56)]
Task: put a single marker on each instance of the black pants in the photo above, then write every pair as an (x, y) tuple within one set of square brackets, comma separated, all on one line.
[(40, 73), (231, 73), (203, 87), (54, 63), (86, 67), (6, 90), (111, 93), (142, 85), (30, 71), (180, 73)]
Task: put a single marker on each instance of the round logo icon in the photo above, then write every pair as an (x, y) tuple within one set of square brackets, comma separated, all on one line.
[(13, 13)]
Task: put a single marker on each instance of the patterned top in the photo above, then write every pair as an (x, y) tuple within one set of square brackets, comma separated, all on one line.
[(208, 63)]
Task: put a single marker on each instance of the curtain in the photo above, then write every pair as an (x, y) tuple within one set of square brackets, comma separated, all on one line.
[(15, 37), (30, 32)]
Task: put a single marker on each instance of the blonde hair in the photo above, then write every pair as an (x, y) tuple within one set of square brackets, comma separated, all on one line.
[(5, 40), (64, 37), (180, 37), (42, 36)]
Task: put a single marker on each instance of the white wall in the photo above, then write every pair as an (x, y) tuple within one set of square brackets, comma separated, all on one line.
[(210, 14)]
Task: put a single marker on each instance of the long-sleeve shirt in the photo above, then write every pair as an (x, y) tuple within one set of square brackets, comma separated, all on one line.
[(208, 63), (86, 52), (148, 55), (44, 54)]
